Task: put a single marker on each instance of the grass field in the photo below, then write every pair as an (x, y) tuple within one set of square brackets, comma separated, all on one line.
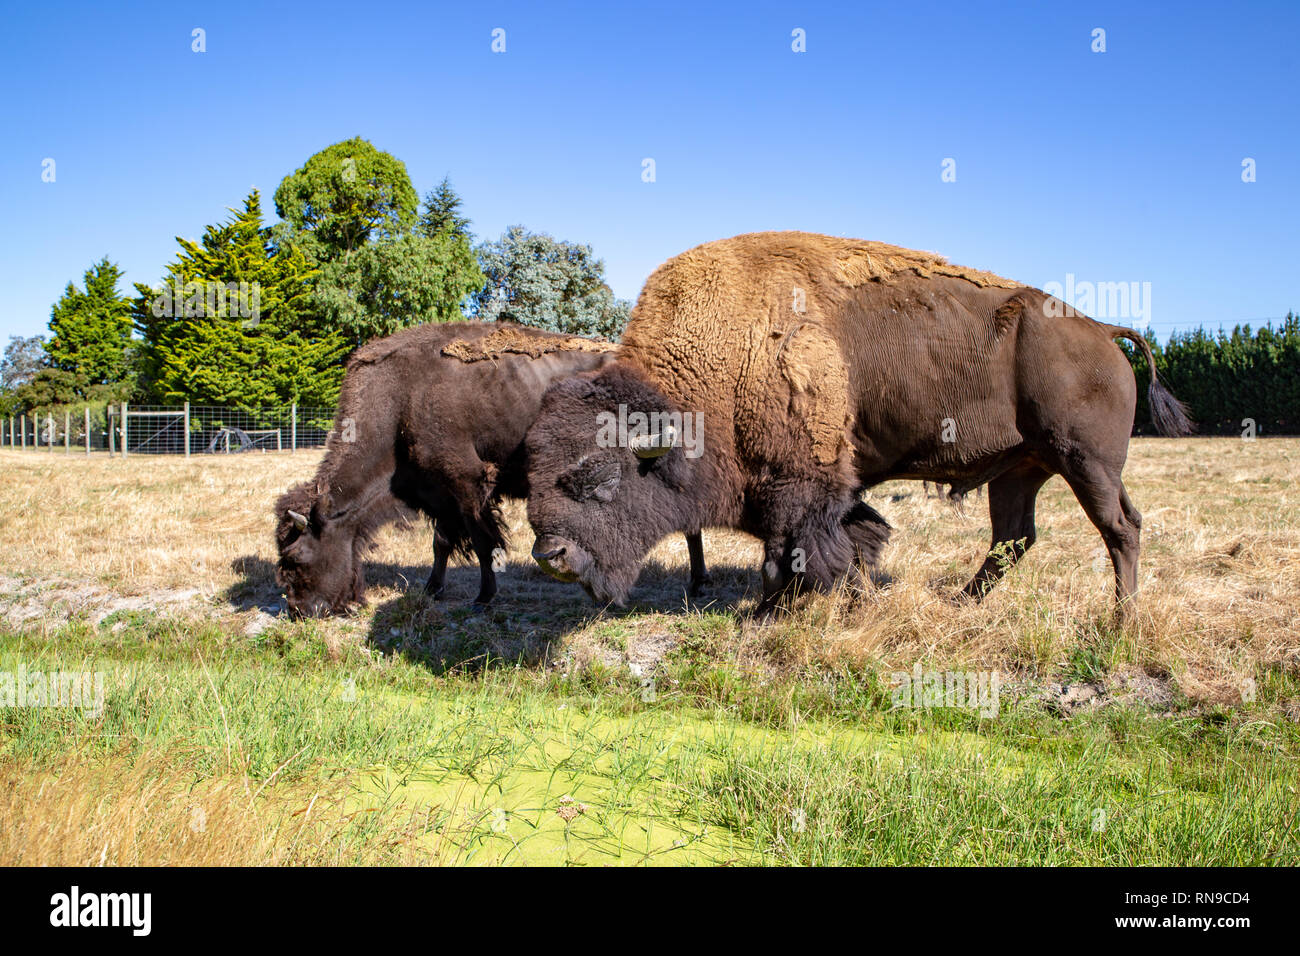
[(552, 731)]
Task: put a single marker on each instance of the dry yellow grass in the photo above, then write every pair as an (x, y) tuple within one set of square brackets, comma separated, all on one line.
[(151, 811), (1219, 581)]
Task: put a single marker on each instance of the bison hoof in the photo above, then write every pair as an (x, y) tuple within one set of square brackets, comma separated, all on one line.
[(966, 596), (699, 584)]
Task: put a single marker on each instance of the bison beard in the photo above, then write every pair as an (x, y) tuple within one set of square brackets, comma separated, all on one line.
[(439, 414), (891, 364)]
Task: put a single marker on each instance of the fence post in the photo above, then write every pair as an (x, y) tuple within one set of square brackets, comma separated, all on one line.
[(67, 432), (187, 429), (125, 433), (293, 428), (23, 421), (87, 429), (50, 430)]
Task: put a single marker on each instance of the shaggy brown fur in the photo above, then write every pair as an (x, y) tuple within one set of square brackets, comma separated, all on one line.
[(822, 366), (417, 429)]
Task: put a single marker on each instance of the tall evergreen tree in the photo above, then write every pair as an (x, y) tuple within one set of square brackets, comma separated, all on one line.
[(231, 324), (91, 329), (442, 213), (395, 283)]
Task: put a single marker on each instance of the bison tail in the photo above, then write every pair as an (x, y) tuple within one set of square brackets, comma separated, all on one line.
[(1168, 413)]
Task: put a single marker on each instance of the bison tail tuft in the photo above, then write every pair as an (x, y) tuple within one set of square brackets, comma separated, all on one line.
[(1169, 414)]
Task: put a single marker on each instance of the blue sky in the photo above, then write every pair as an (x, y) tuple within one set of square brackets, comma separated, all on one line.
[(1123, 166)]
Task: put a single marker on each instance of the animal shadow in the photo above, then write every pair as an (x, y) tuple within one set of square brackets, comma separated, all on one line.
[(530, 616), (525, 623)]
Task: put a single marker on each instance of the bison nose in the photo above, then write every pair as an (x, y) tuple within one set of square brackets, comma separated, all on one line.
[(549, 553)]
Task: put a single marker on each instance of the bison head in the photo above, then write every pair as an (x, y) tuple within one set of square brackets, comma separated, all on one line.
[(319, 566), (609, 475)]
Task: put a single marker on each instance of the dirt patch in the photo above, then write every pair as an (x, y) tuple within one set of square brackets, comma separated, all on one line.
[(1122, 689), (865, 261), (512, 341), (26, 602)]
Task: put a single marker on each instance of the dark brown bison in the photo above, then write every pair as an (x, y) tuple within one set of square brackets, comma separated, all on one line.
[(431, 419), (812, 368)]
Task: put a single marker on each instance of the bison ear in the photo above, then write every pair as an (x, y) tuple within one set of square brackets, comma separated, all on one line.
[(301, 550)]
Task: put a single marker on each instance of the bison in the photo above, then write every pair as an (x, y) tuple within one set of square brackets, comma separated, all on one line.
[(815, 367), (431, 419)]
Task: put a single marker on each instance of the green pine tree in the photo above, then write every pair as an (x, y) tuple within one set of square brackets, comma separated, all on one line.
[(442, 213), (91, 330), (231, 323)]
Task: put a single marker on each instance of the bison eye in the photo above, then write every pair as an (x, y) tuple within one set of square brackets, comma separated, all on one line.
[(592, 479)]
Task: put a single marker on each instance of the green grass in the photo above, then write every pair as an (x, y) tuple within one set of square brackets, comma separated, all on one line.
[(530, 765)]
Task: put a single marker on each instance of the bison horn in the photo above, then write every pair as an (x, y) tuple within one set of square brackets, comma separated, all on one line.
[(653, 446), (298, 520)]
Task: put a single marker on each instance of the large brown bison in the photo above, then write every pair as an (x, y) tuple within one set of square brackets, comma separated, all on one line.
[(431, 419), (816, 367)]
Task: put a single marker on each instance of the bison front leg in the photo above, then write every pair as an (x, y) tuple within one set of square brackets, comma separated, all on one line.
[(699, 573), (777, 574), (442, 549)]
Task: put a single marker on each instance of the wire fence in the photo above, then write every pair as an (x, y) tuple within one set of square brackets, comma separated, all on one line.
[(124, 429)]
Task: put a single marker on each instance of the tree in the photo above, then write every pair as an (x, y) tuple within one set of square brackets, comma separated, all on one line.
[(536, 280), (23, 358), (345, 196), (398, 282), (442, 213), (231, 324), (352, 210), (1234, 383), (91, 329), (52, 388)]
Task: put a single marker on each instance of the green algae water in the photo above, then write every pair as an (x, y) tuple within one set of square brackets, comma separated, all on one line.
[(509, 767)]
